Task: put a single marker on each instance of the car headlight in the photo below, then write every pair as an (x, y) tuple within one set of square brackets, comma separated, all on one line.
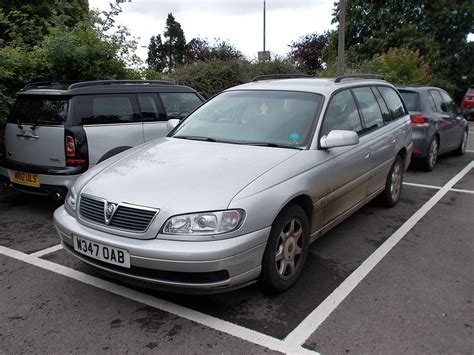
[(70, 202), (204, 223)]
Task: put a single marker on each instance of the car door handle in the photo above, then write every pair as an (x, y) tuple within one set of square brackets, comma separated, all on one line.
[(34, 136), (367, 155)]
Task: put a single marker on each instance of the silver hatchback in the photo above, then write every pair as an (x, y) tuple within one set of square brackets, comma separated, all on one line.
[(239, 189)]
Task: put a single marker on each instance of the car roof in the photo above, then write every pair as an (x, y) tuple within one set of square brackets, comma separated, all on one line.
[(324, 86), (102, 87)]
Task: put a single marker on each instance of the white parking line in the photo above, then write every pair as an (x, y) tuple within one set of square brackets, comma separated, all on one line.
[(438, 188), (46, 251), (198, 317), (469, 151), (312, 322)]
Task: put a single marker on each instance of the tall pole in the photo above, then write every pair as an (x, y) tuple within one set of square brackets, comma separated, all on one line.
[(264, 22), (342, 31)]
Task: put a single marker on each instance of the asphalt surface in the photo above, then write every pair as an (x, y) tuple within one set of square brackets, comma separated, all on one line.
[(418, 299)]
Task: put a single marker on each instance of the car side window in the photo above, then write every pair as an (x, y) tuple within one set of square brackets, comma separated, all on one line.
[(105, 109), (371, 113), (149, 108), (180, 104), (449, 102), (440, 106), (342, 114), (393, 101)]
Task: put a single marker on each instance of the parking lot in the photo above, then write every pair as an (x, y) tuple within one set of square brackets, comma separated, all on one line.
[(384, 281)]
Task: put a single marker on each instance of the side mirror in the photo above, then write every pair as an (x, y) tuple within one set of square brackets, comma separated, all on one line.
[(339, 138), (172, 123)]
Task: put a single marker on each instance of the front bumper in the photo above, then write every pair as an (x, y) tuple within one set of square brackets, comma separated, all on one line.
[(179, 266)]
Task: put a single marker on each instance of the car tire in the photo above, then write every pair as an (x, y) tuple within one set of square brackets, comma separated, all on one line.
[(462, 146), (393, 186), (428, 163), (286, 250)]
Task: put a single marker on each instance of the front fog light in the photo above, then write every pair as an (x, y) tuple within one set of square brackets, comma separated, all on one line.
[(205, 223)]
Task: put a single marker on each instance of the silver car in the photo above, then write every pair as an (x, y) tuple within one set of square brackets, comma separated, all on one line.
[(238, 190)]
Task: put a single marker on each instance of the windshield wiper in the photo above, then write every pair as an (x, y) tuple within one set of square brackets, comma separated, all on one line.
[(272, 145), (197, 138)]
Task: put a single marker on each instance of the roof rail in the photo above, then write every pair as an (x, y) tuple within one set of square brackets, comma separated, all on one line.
[(280, 76), (61, 85), (85, 84), (359, 76)]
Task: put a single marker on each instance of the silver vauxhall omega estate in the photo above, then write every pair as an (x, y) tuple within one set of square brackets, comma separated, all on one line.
[(239, 189)]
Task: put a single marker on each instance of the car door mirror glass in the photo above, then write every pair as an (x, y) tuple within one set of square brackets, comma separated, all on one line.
[(339, 138)]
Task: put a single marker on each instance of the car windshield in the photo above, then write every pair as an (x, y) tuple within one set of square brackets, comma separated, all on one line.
[(412, 100), (271, 118)]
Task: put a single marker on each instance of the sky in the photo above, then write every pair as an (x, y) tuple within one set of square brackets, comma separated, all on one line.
[(238, 21)]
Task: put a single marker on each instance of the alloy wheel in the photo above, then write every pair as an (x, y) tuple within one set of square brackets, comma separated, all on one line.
[(288, 255), (396, 179)]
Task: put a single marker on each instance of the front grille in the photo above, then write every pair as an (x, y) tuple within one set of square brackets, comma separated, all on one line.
[(125, 217), (132, 219), (92, 209)]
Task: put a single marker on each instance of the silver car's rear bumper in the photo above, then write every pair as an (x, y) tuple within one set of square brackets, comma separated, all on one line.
[(206, 267)]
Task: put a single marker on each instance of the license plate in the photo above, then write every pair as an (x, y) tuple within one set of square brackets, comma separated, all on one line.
[(23, 178), (102, 252)]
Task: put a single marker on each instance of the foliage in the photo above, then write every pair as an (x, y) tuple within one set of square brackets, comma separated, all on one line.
[(307, 52), (80, 54), (156, 58), (401, 66), (214, 75), (174, 46), (437, 29), (199, 49)]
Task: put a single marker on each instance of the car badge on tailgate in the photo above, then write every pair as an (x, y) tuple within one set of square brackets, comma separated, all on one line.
[(109, 210)]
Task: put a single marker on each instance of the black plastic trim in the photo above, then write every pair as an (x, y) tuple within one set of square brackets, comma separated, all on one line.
[(45, 170)]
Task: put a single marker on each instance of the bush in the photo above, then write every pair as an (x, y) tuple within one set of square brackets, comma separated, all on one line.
[(214, 76)]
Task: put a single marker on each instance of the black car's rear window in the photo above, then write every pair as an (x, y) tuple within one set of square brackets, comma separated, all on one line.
[(412, 100), (31, 109)]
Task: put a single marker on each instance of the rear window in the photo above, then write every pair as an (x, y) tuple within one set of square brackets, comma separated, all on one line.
[(470, 91), (412, 100), (31, 109), (180, 104)]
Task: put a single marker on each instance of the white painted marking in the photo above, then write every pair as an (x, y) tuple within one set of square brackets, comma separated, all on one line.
[(46, 251), (469, 151), (438, 188), (312, 322), (422, 185), (198, 317), (463, 191)]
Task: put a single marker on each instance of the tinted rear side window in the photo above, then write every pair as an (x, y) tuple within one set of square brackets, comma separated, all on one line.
[(39, 109), (439, 104), (369, 107), (180, 104), (412, 100), (104, 109), (394, 103)]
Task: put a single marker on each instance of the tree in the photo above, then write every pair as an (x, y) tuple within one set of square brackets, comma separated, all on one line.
[(174, 46), (307, 52), (199, 50), (156, 59), (438, 29)]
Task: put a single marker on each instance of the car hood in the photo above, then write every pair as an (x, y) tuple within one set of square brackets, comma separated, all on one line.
[(183, 175)]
